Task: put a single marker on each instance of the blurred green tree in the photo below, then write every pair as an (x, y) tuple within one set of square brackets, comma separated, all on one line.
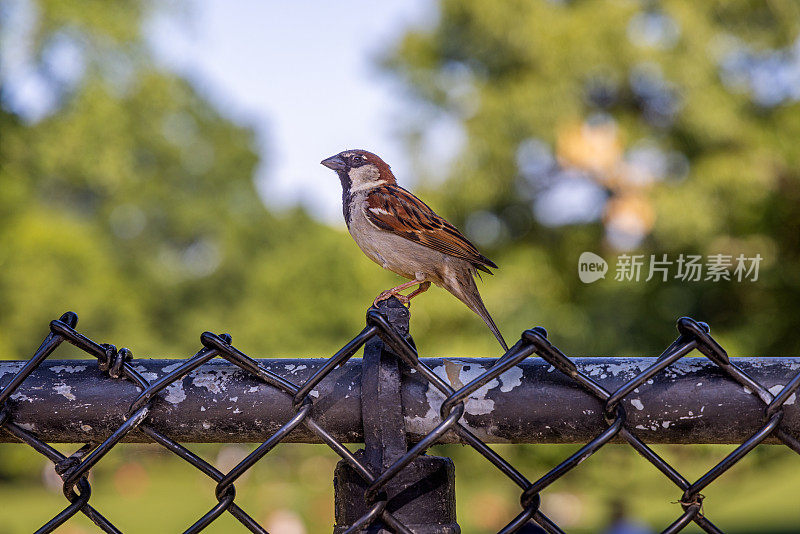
[(644, 128), (131, 201)]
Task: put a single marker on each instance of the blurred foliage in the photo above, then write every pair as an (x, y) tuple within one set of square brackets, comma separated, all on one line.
[(672, 111), (133, 204), (131, 201)]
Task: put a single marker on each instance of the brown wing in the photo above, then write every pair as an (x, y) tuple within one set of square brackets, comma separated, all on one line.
[(394, 209)]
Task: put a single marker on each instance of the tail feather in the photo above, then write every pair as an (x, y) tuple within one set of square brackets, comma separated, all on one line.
[(465, 290)]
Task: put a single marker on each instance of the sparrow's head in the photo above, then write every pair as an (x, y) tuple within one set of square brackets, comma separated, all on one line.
[(359, 170)]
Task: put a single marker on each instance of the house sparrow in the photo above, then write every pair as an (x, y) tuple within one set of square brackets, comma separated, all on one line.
[(401, 233)]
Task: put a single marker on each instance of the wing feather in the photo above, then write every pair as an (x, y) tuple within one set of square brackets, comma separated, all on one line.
[(392, 208)]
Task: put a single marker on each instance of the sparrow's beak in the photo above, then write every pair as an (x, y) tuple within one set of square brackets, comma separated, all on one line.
[(334, 163)]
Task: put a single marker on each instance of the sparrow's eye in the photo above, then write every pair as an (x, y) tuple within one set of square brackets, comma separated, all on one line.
[(358, 159)]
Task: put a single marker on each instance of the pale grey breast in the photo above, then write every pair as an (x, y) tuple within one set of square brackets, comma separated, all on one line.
[(397, 254)]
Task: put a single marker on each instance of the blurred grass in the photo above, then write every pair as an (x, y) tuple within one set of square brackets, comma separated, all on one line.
[(290, 490), (760, 490)]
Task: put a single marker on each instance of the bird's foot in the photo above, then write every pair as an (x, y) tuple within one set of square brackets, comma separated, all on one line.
[(422, 286), (389, 294)]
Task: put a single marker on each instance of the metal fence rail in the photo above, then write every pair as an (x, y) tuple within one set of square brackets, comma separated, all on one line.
[(398, 405)]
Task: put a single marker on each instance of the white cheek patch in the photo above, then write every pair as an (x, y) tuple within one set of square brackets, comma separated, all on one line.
[(364, 177)]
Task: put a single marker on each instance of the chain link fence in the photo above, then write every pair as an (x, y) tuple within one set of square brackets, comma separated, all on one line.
[(391, 485)]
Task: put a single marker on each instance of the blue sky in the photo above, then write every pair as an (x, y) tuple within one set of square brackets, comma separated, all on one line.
[(304, 75)]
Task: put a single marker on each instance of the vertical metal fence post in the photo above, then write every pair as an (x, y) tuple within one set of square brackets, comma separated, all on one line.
[(421, 496)]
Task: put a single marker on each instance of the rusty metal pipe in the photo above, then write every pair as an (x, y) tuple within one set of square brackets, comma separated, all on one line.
[(690, 402)]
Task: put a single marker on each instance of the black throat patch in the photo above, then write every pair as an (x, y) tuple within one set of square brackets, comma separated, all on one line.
[(344, 177)]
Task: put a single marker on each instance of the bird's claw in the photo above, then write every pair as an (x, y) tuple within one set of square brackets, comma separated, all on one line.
[(389, 294)]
